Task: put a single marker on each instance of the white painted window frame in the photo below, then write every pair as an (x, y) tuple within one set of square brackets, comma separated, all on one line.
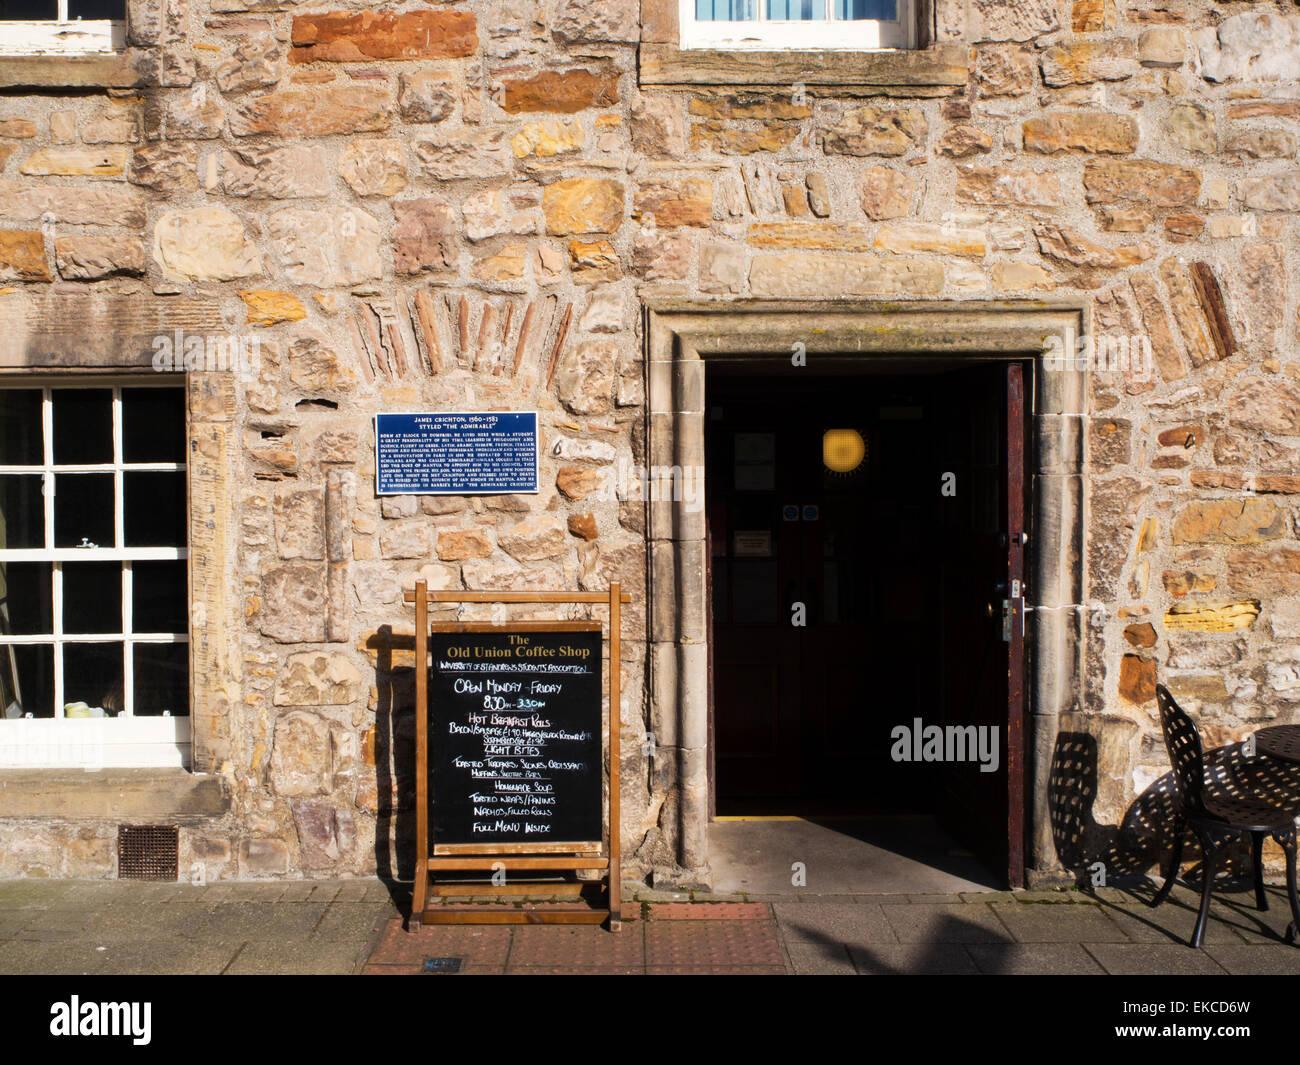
[(125, 741), (62, 36), (828, 34)]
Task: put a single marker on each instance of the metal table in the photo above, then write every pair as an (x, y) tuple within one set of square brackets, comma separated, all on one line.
[(1283, 743)]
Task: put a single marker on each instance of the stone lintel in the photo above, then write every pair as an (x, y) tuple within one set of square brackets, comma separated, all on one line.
[(63, 329)]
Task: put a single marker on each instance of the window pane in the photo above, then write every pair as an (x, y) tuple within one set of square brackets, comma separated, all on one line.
[(20, 427), (158, 597), (155, 509), (725, 10), (26, 598), (162, 679), (867, 9), (22, 511), (88, 9), (27, 680), (153, 425), (83, 509), (796, 9), (83, 425), (92, 674), (40, 10), (92, 597)]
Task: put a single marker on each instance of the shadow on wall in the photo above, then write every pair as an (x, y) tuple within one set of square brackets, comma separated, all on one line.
[(1144, 837), (395, 762)]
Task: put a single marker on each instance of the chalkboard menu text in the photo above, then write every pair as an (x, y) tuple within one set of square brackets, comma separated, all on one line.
[(515, 736)]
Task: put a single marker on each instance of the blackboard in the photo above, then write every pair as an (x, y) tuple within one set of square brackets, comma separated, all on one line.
[(456, 453), (515, 737)]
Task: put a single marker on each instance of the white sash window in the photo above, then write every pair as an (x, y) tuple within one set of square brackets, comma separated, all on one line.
[(772, 25), (94, 618)]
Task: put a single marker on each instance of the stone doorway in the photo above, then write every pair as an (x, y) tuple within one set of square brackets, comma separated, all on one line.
[(689, 342), (855, 529)]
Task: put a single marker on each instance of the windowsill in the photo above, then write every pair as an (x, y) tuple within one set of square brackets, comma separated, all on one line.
[(172, 795), (936, 71), (91, 743)]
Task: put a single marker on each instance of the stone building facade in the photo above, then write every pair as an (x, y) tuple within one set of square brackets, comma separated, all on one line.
[(509, 205)]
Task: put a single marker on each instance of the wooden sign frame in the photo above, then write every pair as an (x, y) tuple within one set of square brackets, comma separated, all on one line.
[(551, 857)]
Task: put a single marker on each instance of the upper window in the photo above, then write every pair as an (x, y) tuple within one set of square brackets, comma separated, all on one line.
[(857, 25), (94, 620), (61, 27)]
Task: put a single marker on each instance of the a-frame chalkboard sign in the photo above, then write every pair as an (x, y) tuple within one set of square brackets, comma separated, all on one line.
[(510, 759)]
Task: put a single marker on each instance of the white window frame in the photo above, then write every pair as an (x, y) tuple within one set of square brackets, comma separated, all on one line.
[(63, 36), (125, 741), (828, 34)]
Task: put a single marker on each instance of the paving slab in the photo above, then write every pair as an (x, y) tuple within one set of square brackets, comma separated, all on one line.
[(30, 957), (853, 923), (1034, 959), (123, 923), (474, 944), (913, 959), (1051, 923), (961, 923), (711, 945), (351, 920), (1173, 921), (168, 957), (817, 956), (874, 855), (1142, 959), (308, 957), (254, 920), (1251, 960), (578, 947), (709, 911), (32, 894)]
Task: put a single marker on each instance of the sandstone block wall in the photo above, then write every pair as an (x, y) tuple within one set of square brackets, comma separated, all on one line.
[(463, 205)]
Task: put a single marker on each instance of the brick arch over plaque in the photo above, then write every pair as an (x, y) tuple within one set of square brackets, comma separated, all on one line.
[(682, 336)]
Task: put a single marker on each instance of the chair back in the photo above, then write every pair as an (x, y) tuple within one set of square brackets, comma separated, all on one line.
[(1183, 743)]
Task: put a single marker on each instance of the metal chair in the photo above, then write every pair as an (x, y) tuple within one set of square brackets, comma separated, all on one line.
[(1219, 819)]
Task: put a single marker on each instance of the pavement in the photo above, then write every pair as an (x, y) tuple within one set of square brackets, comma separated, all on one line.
[(356, 926), (841, 855)]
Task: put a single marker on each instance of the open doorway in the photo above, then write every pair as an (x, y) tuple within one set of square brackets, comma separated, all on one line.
[(866, 535)]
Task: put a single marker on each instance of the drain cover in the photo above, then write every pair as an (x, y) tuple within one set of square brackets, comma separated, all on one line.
[(442, 965)]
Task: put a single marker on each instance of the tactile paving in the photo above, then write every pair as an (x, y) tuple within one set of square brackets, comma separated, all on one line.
[(740, 943), (474, 944), (712, 945), (710, 911), (578, 947)]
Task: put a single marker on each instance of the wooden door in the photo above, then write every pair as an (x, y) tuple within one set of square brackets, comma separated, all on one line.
[(983, 643)]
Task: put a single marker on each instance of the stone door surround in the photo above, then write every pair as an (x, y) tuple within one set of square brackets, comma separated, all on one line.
[(682, 336)]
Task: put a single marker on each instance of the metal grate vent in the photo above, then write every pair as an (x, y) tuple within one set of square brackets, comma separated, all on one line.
[(147, 852)]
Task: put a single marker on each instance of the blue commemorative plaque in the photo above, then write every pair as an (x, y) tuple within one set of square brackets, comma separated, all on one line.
[(455, 453)]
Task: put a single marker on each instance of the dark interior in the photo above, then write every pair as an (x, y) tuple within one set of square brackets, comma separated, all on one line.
[(894, 575)]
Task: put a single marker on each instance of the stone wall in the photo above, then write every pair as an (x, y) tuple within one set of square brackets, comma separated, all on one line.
[(463, 206)]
